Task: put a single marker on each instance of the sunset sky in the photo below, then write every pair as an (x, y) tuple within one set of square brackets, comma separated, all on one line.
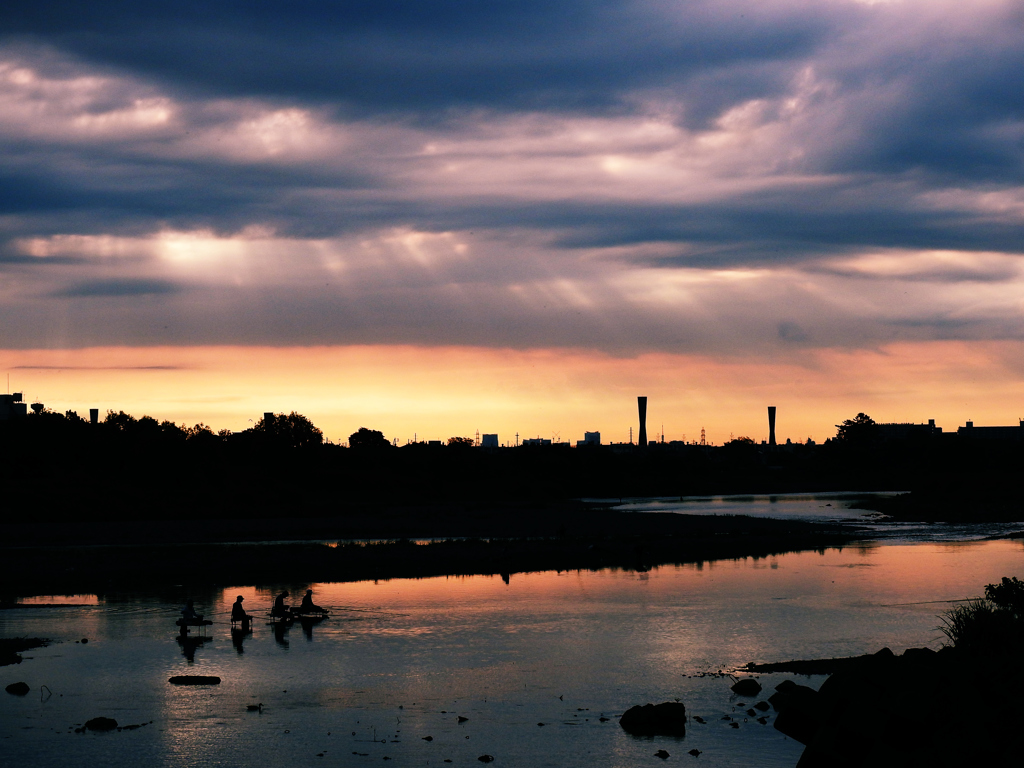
[(436, 217)]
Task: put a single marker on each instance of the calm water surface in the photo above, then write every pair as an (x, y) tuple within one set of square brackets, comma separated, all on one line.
[(401, 660), (839, 508)]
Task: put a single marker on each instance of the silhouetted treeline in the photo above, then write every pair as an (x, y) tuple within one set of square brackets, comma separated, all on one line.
[(129, 469)]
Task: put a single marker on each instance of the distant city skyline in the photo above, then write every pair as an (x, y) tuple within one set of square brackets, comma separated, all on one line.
[(455, 392), (516, 216)]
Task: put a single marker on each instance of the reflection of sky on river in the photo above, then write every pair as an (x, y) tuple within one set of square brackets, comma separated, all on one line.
[(399, 660), (820, 507)]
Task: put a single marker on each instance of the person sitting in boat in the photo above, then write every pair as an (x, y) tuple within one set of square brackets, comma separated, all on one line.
[(280, 610), (307, 605), (189, 615), (238, 612)]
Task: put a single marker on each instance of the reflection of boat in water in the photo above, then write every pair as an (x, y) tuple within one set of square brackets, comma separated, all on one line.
[(297, 615), (310, 619), (311, 616)]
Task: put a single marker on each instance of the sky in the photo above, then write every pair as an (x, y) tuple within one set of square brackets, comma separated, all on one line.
[(515, 217)]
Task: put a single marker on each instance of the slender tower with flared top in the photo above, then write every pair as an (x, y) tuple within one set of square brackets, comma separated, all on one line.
[(771, 425), (642, 405)]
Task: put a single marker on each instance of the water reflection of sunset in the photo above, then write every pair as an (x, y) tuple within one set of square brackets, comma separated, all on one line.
[(404, 657)]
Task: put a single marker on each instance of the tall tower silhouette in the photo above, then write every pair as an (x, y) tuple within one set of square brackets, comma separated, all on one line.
[(771, 425), (642, 405)]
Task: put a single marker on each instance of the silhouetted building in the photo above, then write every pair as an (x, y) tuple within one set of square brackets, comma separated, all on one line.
[(905, 430), (12, 407), (642, 405), (94, 415), (589, 438), (488, 441), (771, 426), (536, 441), (991, 433)]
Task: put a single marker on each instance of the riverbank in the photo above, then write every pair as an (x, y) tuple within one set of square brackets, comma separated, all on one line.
[(567, 538), (923, 707)]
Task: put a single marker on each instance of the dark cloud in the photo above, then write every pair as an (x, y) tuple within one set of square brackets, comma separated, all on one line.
[(410, 56), (308, 148)]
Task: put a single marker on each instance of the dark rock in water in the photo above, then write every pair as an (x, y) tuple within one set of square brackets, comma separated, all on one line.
[(668, 719), (763, 720), (799, 711), (752, 712), (486, 758), (194, 680), (428, 738), (694, 752), (662, 754), (700, 719), (734, 725), (747, 687), (764, 706), (462, 719), (787, 693), (18, 689), (603, 719), (100, 724)]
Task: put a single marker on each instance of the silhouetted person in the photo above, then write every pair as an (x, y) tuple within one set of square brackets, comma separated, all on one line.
[(280, 610), (238, 612), (189, 617), (307, 605), (188, 613)]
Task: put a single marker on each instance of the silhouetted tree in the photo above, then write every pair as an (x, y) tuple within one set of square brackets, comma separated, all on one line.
[(741, 441), (368, 438), (119, 421), (460, 442), (860, 430), (200, 434), (293, 430)]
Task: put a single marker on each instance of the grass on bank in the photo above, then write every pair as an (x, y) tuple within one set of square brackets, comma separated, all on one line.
[(989, 626)]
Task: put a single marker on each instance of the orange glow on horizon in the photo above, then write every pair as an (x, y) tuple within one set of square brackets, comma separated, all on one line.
[(438, 392)]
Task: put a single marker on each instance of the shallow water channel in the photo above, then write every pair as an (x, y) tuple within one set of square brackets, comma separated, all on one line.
[(401, 660)]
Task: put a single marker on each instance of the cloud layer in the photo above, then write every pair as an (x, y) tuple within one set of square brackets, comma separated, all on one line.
[(729, 178)]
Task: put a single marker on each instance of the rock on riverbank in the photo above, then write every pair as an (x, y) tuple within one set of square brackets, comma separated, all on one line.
[(934, 708)]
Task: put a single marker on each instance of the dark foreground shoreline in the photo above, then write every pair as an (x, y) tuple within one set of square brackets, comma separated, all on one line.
[(80, 559), (922, 708)]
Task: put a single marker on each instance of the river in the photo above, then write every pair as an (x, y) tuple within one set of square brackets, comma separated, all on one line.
[(402, 660)]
